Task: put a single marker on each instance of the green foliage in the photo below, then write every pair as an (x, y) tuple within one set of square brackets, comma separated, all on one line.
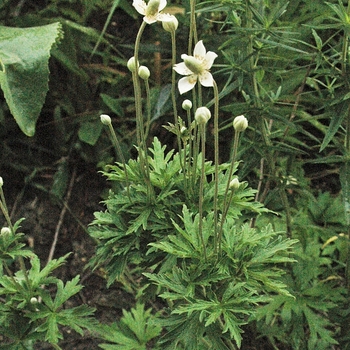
[(284, 65), (11, 247), (311, 317), (24, 74), (315, 298), (216, 293), (135, 330), (222, 294), (131, 222), (28, 312)]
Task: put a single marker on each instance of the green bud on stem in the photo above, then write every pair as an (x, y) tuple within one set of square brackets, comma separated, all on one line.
[(240, 123), (202, 115)]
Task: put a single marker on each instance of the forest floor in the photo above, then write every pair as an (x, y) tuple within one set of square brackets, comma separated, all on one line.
[(45, 218)]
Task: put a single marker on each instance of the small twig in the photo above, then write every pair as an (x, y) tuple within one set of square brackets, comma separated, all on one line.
[(63, 212)]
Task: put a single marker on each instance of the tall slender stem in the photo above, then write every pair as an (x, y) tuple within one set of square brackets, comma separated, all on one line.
[(148, 108), (142, 146), (4, 210), (120, 155), (228, 200), (193, 36), (190, 154), (216, 161), (201, 189), (173, 97), (264, 129), (136, 83)]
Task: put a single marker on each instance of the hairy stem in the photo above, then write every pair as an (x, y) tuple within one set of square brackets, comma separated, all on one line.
[(201, 189), (142, 146), (216, 161)]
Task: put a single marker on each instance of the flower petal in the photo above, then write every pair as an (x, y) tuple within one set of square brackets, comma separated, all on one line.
[(162, 4), (209, 59), (206, 79), (182, 69), (164, 17), (199, 50), (150, 19), (140, 6), (187, 83)]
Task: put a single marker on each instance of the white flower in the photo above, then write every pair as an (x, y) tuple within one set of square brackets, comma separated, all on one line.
[(151, 11), (195, 68)]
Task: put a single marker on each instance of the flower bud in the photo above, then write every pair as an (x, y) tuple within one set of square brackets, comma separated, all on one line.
[(105, 119), (170, 23), (33, 300), (234, 184), (186, 105), (132, 65), (144, 72), (202, 115), (240, 123), (1, 181), (5, 231), (183, 130)]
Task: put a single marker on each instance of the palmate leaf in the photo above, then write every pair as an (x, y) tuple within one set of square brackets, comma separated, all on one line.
[(177, 281), (160, 160), (187, 243), (213, 311), (50, 314), (64, 292), (122, 342), (301, 313), (75, 318), (232, 324), (183, 332), (139, 321), (318, 329), (8, 285), (24, 71), (141, 220), (39, 277), (136, 329), (274, 251)]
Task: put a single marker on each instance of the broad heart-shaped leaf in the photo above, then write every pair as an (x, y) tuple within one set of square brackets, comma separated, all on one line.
[(24, 71)]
